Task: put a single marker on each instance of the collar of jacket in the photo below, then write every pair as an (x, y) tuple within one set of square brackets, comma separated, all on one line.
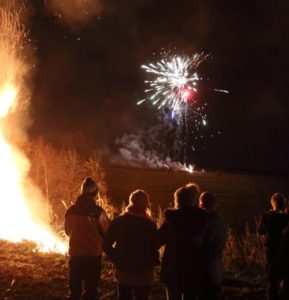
[(146, 216), (84, 200)]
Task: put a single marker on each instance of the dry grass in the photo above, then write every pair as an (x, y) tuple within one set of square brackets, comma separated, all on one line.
[(29, 275), (245, 264)]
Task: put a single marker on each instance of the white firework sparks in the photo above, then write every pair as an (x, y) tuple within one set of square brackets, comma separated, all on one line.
[(174, 82)]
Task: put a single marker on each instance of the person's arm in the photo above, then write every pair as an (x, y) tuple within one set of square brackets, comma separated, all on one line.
[(104, 222), (67, 225), (162, 234), (155, 244), (109, 241)]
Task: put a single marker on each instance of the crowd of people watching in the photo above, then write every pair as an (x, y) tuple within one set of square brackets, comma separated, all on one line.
[(192, 239)]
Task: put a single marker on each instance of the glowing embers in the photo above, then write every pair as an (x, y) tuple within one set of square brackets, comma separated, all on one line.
[(7, 98)]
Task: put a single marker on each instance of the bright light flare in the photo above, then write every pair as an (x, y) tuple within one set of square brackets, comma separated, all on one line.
[(7, 96), (17, 220), (174, 81), (189, 168), (187, 93)]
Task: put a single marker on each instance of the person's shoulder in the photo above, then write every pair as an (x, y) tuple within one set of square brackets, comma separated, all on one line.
[(268, 215), (70, 210), (199, 212), (277, 215), (151, 222), (137, 219), (169, 212), (98, 208), (172, 215), (118, 219)]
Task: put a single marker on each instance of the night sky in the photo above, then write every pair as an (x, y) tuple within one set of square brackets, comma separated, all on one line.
[(87, 76)]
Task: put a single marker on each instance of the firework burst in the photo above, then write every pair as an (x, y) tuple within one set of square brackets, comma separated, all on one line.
[(174, 82)]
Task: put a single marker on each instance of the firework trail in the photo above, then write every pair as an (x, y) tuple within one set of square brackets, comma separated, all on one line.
[(173, 87)]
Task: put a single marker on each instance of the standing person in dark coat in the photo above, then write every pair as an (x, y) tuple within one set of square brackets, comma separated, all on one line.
[(279, 268), (271, 225), (131, 244), (214, 245), (182, 234), (86, 224)]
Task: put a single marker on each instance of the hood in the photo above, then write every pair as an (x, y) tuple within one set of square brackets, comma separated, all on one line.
[(189, 221)]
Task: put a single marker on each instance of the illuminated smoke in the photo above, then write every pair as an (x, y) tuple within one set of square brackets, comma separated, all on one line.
[(156, 147), (76, 13)]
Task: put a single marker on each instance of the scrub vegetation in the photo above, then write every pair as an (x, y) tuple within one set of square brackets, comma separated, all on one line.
[(27, 274)]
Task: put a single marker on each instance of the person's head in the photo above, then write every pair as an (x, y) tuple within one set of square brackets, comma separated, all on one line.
[(89, 187), (186, 196), (278, 201), (208, 201), (139, 203)]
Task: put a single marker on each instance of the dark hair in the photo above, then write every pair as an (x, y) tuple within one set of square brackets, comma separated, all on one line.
[(186, 195), (208, 200), (89, 187), (279, 201)]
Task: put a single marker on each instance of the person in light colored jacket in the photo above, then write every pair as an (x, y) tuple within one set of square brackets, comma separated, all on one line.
[(85, 224)]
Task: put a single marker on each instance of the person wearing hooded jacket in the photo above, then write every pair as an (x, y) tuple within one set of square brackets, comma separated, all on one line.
[(131, 244), (182, 234), (85, 224)]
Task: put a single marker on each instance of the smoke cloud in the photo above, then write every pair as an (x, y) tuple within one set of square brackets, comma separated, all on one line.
[(75, 13), (145, 148), (132, 153)]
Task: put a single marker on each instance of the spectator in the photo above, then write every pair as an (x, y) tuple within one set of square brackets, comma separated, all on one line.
[(85, 224), (182, 235), (271, 225), (131, 244), (279, 268), (214, 245)]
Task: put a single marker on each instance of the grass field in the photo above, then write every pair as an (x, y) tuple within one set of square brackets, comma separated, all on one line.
[(241, 196), (26, 274)]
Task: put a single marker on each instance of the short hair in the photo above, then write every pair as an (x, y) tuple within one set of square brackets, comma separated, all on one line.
[(186, 196), (279, 200), (209, 201)]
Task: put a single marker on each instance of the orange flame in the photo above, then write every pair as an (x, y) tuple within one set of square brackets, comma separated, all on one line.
[(17, 220)]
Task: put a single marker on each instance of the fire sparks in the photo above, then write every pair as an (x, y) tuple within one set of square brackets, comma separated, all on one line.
[(7, 96), (17, 220)]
